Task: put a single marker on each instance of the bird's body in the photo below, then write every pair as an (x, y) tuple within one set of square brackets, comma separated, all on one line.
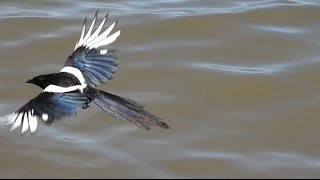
[(74, 87)]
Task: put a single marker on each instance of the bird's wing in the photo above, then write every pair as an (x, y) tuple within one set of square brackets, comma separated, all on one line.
[(91, 57), (47, 106)]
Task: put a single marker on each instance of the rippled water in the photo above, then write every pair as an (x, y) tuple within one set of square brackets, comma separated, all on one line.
[(237, 80)]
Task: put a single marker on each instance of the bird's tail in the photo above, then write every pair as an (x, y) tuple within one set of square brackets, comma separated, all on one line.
[(127, 109)]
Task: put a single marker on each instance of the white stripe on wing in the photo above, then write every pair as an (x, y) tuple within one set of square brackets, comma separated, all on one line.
[(27, 119), (95, 40)]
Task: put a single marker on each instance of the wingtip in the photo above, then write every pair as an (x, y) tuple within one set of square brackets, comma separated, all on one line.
[(85, 20), (89, 39), (117, 21), (106, 17), (164, 125), (96, 14)]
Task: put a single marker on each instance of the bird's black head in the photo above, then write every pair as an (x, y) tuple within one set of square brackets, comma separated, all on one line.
[(41, 81)]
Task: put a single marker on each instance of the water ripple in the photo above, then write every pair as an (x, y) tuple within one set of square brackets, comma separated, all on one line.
[(262, 69), (164, 8), (234, 69), (280, 29), (261, 161)]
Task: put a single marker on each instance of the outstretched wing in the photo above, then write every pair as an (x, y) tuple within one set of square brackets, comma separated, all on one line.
[(91, 57), (48, 107)]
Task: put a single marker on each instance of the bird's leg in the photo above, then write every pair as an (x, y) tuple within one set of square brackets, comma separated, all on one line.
[(85, 106)]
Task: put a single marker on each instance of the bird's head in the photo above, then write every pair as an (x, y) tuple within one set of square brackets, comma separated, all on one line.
[(40, 81)]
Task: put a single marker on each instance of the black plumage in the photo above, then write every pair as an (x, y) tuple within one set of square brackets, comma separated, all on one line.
[(62, 79)]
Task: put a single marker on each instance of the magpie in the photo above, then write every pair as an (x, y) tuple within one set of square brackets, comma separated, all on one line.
[(75, 86)]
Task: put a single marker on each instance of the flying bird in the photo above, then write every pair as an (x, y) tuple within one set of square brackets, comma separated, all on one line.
[(75, 86)]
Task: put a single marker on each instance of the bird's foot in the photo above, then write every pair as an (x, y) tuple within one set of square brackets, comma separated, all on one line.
[(85, 106)]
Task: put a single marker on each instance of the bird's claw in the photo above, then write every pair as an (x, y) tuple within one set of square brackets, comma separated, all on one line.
[(85, 106)]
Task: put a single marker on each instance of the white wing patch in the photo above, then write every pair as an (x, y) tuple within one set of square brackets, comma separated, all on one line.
[(27, 120), (44, 117), (98, 38), (104, 51)]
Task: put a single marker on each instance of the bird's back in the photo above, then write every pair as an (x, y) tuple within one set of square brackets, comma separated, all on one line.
[(63, 79)]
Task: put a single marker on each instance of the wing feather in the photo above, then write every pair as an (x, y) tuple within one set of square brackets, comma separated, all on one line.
[(97, 66), (48, 107)]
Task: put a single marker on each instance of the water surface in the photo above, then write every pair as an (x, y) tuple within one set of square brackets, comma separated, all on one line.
[(237, 81)]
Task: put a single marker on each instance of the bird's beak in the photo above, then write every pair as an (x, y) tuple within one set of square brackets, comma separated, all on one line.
[(30, 81)]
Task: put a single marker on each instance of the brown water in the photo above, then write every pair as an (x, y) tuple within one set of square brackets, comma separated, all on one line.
[(238, 82)]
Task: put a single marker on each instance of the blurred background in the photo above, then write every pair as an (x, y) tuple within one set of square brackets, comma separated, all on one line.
[(236, 80)]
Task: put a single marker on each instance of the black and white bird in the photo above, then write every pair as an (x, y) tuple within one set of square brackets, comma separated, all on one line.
[(74, 87)]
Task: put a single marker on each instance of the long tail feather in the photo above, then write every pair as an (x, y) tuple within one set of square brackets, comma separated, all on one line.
[(127, 109)]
